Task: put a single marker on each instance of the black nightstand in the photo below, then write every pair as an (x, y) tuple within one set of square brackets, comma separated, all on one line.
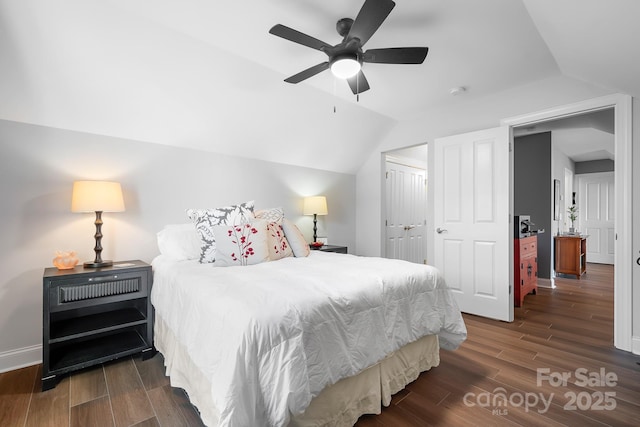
[(93, 315), (330, 248)]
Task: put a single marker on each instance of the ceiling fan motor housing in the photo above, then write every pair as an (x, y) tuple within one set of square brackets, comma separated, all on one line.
[(343, 26)]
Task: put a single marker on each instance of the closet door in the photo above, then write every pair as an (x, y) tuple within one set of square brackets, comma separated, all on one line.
[(406, 198)]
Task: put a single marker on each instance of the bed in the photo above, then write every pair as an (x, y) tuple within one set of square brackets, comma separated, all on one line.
[(302, 341)]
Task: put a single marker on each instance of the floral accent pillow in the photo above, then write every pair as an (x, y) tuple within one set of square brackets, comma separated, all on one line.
[(206, 219), (242, 244), (271, 214), (278, 244), (299, 246)]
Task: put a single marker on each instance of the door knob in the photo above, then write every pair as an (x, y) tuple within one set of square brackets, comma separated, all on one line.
[(441, 230)]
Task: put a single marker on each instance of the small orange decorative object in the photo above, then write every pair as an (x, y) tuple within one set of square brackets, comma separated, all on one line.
[(65, 260)]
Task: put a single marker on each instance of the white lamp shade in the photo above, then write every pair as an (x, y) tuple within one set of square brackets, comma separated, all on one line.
[(315, 205), (345, 67), (97, 196)]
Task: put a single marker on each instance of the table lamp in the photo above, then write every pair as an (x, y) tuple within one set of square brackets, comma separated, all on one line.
[(98, 197), (316, 205)]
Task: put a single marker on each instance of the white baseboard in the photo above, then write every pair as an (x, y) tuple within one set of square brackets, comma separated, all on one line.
[(635, 345), (546, 283), (20, 358)]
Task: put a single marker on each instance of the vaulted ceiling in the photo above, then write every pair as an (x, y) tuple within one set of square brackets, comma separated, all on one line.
[(207, 75), (582, 138)]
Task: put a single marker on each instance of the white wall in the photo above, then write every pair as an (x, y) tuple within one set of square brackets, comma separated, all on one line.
[(464, 117), (482, 114), (560, 162), (39, 164)]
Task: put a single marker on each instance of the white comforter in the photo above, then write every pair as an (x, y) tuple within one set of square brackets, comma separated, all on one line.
[(270, 337)]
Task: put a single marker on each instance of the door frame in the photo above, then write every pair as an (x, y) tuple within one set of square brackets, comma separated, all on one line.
[(622, 104)]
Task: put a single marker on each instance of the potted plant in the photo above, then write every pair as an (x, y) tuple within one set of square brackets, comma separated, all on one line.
[(573, 215)]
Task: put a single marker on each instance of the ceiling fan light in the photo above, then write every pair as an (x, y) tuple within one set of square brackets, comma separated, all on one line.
[(345, 67)]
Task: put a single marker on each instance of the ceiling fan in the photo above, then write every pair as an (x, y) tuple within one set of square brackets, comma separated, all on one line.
[(346, 58)]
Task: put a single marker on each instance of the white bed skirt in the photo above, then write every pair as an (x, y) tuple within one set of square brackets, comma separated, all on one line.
[(340, 404)]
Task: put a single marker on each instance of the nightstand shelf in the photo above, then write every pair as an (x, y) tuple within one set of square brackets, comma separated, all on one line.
[(93, 315), (81, 354), (330, 248), (78, 327)]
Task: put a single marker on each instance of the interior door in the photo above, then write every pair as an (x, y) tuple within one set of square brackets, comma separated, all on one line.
[(405, 212), (596, 210), (472, 210)]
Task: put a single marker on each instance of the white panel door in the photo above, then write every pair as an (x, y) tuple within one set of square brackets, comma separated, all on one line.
[(405, 212), (472, 239), (596, 210)]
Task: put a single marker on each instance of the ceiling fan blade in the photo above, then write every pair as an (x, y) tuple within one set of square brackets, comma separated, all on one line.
[(396, 55), (298, 37), (309, 72), (358, 83), (369, 19)]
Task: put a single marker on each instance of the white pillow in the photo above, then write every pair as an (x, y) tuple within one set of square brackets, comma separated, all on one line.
[(278, 244), (243, 244), (299, 246), (179, 241), (205, 219)]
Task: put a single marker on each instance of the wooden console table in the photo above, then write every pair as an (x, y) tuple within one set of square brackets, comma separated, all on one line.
[(571, 254)]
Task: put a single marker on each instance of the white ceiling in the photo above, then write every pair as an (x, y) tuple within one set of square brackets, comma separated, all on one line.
[(207, 75), (582, 138)]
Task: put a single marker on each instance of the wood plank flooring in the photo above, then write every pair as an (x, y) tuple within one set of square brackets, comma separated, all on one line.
[(560, 330)]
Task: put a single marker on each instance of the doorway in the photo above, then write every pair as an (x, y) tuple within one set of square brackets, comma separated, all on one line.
[(566, 151), (623, 209), (405, 204)]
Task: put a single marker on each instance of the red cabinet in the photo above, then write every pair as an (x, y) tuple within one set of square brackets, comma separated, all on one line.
[(525, 256)]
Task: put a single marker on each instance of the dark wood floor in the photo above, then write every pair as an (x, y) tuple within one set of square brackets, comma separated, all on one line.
[(560, 330)]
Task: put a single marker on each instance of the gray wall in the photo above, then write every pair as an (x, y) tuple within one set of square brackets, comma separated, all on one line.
[(532, 187), (39, 164), (595, 166)]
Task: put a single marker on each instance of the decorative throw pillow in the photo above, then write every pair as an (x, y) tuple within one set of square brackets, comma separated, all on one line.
[(242, 244), (271, 214), (205, 219), (278, 244), (299, 246)]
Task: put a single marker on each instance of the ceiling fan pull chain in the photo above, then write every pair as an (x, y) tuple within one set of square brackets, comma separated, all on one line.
[(334, 94), (358, 87)]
